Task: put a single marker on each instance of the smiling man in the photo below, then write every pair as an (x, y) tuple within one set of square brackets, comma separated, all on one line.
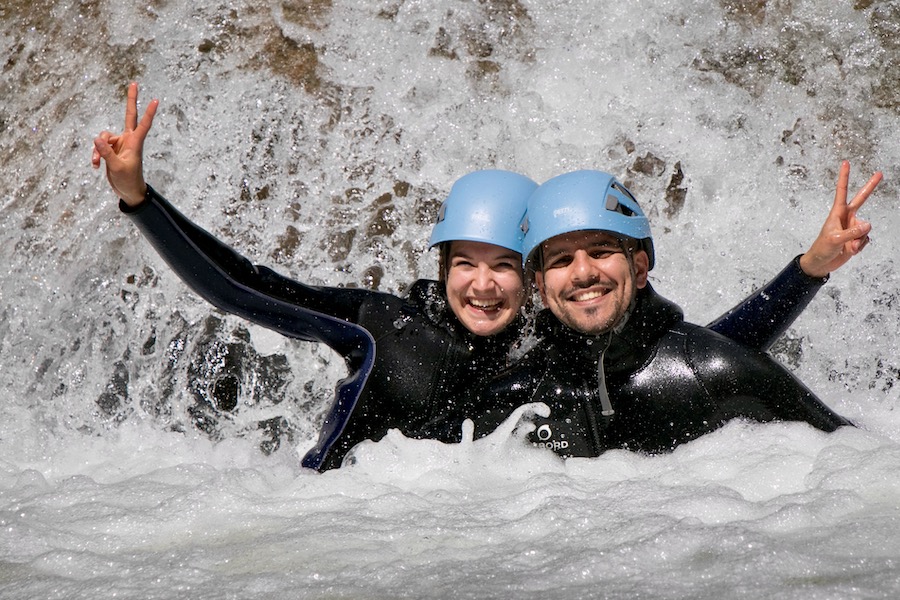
[(590, 279), (616, 363)]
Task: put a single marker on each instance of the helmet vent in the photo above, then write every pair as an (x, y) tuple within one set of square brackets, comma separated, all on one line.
[(624, 190), (613, 204)]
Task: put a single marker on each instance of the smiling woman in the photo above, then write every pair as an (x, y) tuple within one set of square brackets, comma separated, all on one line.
[(485, 286), (464, 339)]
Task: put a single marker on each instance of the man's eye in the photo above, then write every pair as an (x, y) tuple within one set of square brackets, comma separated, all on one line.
[(559, 261), (604, 252)]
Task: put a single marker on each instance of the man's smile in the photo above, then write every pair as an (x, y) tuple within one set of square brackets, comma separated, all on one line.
[(588, 294)]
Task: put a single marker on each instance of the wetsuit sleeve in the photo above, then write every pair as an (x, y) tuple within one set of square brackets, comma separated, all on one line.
[(209, 267), (767, 313), (233, 284)]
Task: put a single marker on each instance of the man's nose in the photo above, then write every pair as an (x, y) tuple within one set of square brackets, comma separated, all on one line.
[(582, 266)]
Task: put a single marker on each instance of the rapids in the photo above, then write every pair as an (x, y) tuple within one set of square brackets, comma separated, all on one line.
[(149, 445)]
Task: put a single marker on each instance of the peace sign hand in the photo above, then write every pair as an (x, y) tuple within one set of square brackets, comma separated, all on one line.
[(843, 235), (124, 153)]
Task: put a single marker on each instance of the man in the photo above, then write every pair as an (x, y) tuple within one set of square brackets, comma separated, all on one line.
[(616, 363)]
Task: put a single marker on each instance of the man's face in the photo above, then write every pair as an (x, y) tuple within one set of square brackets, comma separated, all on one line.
[(485, 288), (588, 281)]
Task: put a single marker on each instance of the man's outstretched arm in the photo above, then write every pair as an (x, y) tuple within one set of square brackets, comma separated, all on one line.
[(767, 313)]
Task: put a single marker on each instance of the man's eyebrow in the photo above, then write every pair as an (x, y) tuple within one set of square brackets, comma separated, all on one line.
[(612, 242)]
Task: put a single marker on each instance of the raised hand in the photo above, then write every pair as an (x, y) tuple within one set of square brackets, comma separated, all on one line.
[(123, 153), (843, 235)]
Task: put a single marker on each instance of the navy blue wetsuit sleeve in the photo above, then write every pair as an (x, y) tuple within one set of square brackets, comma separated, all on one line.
[(767, 313), (224, 278), (190, 251)]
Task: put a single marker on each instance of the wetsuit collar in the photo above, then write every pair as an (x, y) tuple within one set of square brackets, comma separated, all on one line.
[(635, 344)]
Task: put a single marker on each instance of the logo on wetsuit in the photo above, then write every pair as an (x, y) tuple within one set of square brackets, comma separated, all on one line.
[(544, 435)]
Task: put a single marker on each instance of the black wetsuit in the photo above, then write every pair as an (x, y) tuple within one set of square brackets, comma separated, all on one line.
[(666, 381), (424, 357)]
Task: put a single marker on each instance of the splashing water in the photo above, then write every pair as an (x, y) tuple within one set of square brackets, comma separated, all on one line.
[(149, 444)]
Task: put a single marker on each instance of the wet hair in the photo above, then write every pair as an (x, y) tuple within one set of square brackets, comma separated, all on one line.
[(444, 261)]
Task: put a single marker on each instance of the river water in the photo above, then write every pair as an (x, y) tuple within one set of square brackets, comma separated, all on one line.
[(149, 445)]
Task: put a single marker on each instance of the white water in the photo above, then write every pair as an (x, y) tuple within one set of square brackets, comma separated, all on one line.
[(108, 486)]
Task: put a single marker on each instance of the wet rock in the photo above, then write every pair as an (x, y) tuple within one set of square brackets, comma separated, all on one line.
[(442, 45), (312, 14), (481, 35), (338, 244), (149, 345), (225, 371), (384, 222), (649, 164), (298, 63), (113, 399), (884, 23), (752, 12), (675, 193), (750, 68), (371, 277), (274, 430), (286, 244), (401, 189), (788, 350)]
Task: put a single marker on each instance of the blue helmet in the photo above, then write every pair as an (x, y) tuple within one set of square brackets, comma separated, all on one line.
[(584, 200), (485, 206)]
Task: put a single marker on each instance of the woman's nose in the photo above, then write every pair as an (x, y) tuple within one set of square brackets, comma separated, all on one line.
[(484, 279)]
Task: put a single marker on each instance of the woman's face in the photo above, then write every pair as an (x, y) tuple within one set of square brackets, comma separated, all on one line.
[(485, 286)]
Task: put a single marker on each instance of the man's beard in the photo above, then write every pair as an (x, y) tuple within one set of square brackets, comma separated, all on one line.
[(583, 323)]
